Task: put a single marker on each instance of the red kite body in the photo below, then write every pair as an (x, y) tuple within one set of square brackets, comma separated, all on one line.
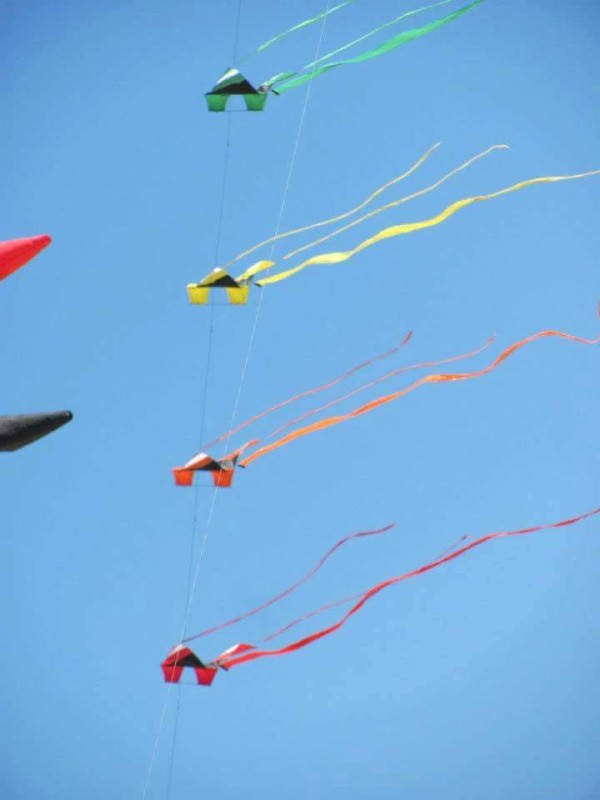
[(17, 252)]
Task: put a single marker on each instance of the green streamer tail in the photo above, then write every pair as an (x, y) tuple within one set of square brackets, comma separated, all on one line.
[(304, 24), (284, 81)]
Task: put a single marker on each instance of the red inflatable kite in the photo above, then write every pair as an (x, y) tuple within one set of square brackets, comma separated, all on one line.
[(17, 252)]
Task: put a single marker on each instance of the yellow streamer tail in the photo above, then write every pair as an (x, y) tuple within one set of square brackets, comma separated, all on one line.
[(412, 227), (419, 162)]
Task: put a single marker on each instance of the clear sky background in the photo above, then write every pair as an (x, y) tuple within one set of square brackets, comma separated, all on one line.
[(477, 680)]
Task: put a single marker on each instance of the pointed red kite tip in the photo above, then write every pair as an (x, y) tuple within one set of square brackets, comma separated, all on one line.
[(38, 242)]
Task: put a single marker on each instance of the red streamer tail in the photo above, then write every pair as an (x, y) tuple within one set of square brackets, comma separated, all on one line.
[(311, 573), (254, 654)]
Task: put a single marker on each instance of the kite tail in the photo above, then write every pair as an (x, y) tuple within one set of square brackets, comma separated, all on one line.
[(261, 48), (310, 614), (374, 32), (311, 573), (433, 378), (287, 81), (370, 384), (419, 162), (399, 202), (314, 390), (412, 227), (344, 600), (254, 654)]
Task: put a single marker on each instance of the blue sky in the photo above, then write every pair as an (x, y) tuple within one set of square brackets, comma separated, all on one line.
[(479, 678)]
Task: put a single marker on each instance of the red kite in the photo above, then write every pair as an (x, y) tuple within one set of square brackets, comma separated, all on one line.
[(181, 657), (17, 252)]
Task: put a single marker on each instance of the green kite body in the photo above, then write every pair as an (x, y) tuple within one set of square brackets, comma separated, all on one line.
[(232, 82)]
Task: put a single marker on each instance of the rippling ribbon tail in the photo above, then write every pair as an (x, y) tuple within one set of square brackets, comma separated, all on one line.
[(411, 227), (374, 32), (419, 162), (351, 598), (328, 422), (314, 390), (254, 654), (297, 27), (377, 381), (396, 203), (281, 83), (311, 573), (310, 614)]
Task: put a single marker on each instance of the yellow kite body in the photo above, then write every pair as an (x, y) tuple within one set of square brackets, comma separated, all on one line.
[(237, 289)]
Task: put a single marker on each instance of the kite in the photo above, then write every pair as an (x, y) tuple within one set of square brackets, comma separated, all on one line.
[(411, 227), (310, 574), (181, 657), (221, 470), (237, 288), (432, 378), (17, 252), (233, 658), (232, 82), (19, 430)]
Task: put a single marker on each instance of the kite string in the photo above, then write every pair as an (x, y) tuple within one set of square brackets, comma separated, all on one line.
[(252, 335), (233, 416), (204, 403), (194, 522), (202, 423)]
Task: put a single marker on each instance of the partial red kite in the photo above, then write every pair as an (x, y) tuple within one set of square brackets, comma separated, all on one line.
[(17, 252)]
